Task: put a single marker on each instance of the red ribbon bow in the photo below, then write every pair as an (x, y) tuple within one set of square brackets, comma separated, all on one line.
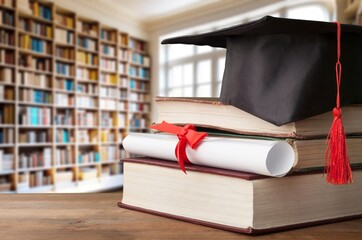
[(186, 135)]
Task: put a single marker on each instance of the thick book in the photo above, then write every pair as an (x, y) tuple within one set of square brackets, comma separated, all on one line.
[(237, 201), (211, 113)]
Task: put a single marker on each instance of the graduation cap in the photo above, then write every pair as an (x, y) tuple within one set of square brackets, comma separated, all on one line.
[(284, 70)]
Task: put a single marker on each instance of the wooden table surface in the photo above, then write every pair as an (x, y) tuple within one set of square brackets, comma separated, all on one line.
[(96, 216)]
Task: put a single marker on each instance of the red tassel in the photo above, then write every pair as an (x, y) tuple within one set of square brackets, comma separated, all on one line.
[(337, 168), (337, 164)]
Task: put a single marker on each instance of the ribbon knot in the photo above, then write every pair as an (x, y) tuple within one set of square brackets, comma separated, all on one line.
[(187, 135), (337, 113)]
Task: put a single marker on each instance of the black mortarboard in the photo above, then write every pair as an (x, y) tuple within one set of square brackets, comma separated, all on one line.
[(283, 70)]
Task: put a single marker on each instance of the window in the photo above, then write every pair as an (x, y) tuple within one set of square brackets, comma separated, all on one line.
[(197, 71)]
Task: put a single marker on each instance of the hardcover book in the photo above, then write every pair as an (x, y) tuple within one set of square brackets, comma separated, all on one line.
[(237, 201), (211, 113)]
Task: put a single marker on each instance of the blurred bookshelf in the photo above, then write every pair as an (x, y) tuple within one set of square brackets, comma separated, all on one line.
[(71, 88), (349, 11)]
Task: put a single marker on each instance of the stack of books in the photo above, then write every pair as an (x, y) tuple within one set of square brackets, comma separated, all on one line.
[(260, 169), (224, 187)]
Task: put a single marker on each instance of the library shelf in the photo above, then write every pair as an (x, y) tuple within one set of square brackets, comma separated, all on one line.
[(61, 69)]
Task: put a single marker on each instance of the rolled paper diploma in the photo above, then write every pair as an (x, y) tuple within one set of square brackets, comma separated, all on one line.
[(265, 157)]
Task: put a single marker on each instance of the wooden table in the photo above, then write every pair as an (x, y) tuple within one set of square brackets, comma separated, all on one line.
[(96, 216)]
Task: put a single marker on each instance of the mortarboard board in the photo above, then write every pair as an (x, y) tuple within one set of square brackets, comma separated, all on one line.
[(283, 70)]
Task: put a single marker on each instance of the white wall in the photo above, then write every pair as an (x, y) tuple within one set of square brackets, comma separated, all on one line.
[(105, 12)]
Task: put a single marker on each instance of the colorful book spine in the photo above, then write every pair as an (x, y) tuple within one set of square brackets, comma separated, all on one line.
[(35, 116)]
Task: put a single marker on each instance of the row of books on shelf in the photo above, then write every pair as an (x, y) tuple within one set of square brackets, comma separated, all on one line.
[(63, 118), (109, 153), (7, 37), (108, 78), (7, 56), (34, 79), (7, 3), (88, 157), (35, 96), (87, 43), (109, 119), (87, 28), (7, 135), (123, 54), (34, 44), (87, 58), (40, 136), (66, 84), (64, 36), (87, 136), (108, 104), (65, 53), (64, 176), (63, 156), (137, 121), (41, 29), (138, 72), (86, 119), (7, 114), (108, 64), (6, 161), (5, 183), (42, 159), (122, 68), (86, 102), (28, 180), (64, 69), (123, 93), (34, 159), (34, 116), (122, 106), (41, 10), (137, 45), (6, 75), (109, 92), (63, 99), (139, 107), (138, 85), (134, 96), (63, 136), (108, 35), (37, 116), (64, 20), (6, 17), (35, 63), (108, 136), (87, 88), (108, 50), (6, 93), (87, 74), (140, 59)]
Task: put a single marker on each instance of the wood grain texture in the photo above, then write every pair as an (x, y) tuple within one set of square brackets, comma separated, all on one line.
[(96, 216)]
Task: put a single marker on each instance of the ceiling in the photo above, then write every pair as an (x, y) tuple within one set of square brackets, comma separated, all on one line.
[(149, 10)]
